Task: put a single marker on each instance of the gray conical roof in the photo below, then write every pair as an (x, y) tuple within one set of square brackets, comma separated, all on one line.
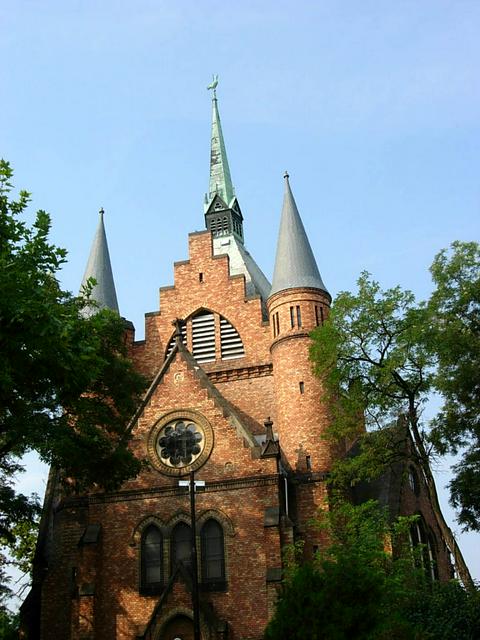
[(295, 264), (100, 268)]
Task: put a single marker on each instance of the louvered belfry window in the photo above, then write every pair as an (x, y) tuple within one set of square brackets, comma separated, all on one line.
[(205, 346), (230, 341), (203, 336)]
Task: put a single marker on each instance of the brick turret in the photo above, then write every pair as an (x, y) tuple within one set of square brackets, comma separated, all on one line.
[(297, 304)]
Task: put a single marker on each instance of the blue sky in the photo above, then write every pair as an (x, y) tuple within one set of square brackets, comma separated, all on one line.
[(373, 107)]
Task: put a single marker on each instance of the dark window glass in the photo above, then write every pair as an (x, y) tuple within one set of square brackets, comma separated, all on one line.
[(316, 316), (152, 558), (292, 318), (213, 558), (182, 544), (299, 317), (426, 557), (413, 481)]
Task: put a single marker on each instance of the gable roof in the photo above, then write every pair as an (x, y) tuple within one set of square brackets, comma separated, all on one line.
[(222, 403)]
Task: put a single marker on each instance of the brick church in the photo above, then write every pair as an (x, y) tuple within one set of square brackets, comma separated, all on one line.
[(227, 354)]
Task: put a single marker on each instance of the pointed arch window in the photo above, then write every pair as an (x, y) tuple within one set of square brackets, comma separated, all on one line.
[(413, 480), (213, 556), (425, 544), (151, 560), (182, 545)]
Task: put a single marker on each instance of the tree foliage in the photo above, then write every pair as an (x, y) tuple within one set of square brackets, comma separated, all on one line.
[(67, 389), (9, 625), (356, 590), (455, 339), (378, 354)]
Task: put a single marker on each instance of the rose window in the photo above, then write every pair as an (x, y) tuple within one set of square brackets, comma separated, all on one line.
[(180, 443)]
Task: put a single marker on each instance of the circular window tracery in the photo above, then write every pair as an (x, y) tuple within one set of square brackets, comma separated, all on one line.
[(180, 442)]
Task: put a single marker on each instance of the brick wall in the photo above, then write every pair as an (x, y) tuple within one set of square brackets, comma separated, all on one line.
[(243, 490), (302, 415)]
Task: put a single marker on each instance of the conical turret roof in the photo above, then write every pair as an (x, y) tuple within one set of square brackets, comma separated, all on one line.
[(100, 268), (295, 264)]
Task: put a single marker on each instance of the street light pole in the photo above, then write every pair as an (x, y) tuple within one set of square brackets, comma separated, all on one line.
[(192, 484), (195, 598)]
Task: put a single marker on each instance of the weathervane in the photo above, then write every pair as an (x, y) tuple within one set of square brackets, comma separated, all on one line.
[(213, 85)]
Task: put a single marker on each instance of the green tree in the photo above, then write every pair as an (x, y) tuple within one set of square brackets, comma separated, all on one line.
[(372, 354), (455, 340), (67, 389), (356, 590), (336, 596), (9, 625)]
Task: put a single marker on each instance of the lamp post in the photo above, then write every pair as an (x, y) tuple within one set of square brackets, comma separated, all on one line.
[(180, 444), (192, 485)]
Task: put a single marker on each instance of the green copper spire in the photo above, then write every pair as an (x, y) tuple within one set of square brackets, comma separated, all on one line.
[(220, 179)]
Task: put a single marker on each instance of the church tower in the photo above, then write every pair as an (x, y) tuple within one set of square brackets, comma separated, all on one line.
[(223, 216), (222, 211), (298, 302)]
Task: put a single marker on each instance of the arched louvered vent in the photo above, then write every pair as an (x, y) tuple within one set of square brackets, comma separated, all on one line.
[(203, 347), (203, 336), (171, 344), (230, 341)]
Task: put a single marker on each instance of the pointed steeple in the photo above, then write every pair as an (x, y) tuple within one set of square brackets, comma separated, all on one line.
[(295, 265), (100, 268), (220, 179), (223, 216)]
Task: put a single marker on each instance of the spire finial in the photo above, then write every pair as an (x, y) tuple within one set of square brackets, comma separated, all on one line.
[(101, 212), (213, 85), (286, 175)]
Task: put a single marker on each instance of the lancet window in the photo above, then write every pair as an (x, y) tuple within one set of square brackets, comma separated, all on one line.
[(212, 555), (152, 560)]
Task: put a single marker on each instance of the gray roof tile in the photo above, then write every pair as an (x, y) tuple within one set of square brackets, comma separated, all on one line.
[(295, 264), (100, 268)]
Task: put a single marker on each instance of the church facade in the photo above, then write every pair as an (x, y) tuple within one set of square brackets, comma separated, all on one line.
[(233, 399)]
